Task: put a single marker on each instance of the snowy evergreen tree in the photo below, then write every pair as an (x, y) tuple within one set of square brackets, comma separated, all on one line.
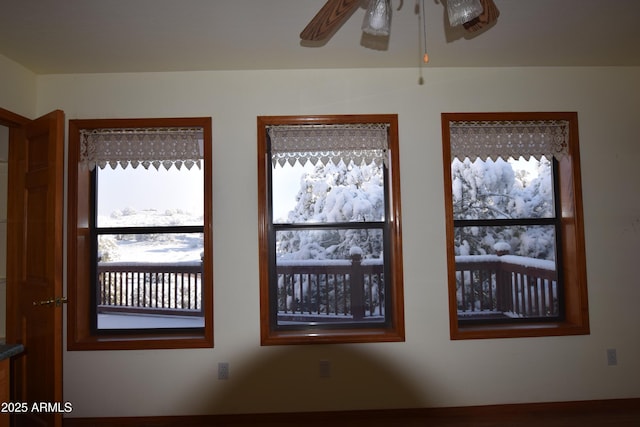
[(494, 190), (336, 194), (481, 190)]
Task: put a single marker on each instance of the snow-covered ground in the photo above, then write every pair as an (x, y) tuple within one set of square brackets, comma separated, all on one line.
[(147, 321), (175, 247)]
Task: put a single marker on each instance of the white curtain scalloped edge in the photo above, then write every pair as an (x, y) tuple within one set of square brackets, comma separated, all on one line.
[(508, 139), (358, 143), (146, 147)]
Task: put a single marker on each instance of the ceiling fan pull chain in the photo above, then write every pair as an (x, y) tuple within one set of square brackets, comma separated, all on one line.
[(425, 57), (422, 37)]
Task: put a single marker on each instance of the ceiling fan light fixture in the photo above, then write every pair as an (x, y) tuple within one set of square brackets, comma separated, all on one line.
[(377, 19), (461, 11)]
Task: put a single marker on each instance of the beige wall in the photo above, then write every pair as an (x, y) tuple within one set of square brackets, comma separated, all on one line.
[(17, 88), (428, 369)]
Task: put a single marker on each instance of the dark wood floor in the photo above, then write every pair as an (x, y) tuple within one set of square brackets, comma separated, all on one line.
[(604, 413), (588, 418)]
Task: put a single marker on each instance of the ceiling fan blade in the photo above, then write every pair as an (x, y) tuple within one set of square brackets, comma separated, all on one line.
[(328, 19), (488, 16)]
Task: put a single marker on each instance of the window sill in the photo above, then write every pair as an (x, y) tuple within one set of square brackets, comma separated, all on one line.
[(332, 336), (518, 331), (141, 342)]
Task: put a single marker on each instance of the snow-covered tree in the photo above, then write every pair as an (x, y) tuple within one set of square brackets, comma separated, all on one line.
[(336, 194), (487, 189)]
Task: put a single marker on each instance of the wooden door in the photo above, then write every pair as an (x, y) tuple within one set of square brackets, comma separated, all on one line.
[(34, 267)]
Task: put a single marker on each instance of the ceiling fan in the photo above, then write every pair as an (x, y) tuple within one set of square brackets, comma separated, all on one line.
[(335, 12)]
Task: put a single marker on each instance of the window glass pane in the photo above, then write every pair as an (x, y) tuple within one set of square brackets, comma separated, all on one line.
[(150, 281), (506, 272), (327, 193), (330, 275), (487, 189), (149, 197)]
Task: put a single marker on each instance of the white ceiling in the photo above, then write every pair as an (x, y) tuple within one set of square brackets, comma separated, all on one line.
[(87, 36)]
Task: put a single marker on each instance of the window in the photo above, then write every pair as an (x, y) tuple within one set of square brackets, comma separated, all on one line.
[(515, 239), (139, 247), (330, 244)]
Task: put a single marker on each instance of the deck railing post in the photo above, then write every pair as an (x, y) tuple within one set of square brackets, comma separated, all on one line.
[(357, 285), (503, 294), (501, 291)]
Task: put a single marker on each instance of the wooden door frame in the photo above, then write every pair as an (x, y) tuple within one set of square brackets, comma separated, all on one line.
[(16, 124), (11, 120)]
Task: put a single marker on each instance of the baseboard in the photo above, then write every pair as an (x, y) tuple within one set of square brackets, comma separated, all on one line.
[(490, 413)]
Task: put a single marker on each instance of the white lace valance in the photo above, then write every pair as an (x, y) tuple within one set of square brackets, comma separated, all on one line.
[(360, 143), (505, 139), (155, 147)]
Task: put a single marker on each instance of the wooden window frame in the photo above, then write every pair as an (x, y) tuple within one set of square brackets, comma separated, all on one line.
[(79, 332), (393, 330), (572, 247)]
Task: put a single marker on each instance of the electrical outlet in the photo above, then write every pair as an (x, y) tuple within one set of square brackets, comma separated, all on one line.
[(325, 369), (612, 357), (223, 371)]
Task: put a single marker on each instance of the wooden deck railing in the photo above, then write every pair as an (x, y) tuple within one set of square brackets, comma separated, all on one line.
[(330, 289), (336, 289), (508, 285), (151, 288)]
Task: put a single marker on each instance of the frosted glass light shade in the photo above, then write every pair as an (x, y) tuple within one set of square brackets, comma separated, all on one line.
[(377, 19), (461, 11)]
